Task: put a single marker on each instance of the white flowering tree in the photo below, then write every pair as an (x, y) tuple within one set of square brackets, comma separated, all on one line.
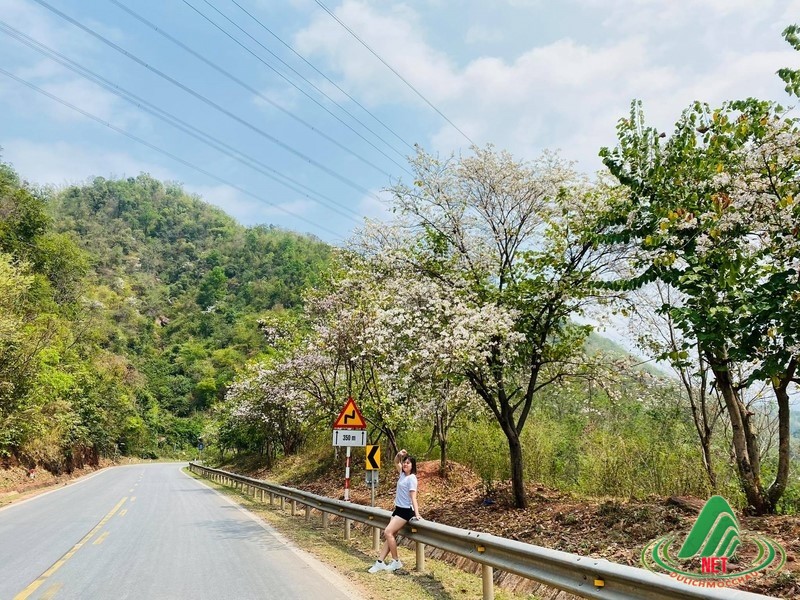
[(267, 399), (712, 213), (341, 315), (510, 242), (422, 336)]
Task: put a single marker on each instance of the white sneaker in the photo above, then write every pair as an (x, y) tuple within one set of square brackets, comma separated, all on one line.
[(378, 566), (394, 565)]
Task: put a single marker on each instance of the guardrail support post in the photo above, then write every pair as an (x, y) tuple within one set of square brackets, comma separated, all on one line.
[(347, 530), (376, 538), (420, 547), (261, 494), (283, 502), (271, 498), (294, 507), (308, 512), (324, 520), (487, 573)]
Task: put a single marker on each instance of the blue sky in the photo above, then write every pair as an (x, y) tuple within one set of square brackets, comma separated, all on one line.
[(525, 75)]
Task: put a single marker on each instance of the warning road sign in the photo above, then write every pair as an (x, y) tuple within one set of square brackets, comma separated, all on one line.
[(350, 417), (373, 457)]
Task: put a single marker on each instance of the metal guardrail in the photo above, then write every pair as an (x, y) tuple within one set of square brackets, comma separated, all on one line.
[(579, 575)]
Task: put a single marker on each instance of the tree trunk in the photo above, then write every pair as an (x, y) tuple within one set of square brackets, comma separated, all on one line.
[(780, 387), (745, 451), (517, 475), (441, 437), (443, 459)]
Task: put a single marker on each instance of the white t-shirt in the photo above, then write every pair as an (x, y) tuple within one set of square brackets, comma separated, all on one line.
[(405, 484)]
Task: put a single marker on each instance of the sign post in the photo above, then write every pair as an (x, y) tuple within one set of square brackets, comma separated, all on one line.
[(349, 429)]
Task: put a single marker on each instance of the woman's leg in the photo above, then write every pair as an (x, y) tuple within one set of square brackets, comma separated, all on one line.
[(390, 545)]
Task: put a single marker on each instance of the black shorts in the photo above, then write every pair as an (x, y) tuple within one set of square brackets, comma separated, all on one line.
[(404, 513)]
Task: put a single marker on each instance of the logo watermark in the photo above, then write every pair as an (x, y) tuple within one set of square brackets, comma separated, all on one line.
[(716, 553)]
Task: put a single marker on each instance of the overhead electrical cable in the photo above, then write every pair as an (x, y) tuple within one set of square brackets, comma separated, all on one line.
[(393, 70), (293, 84), (180, 124), (328, 79), (209, 102), (252, 90), (166, 152)]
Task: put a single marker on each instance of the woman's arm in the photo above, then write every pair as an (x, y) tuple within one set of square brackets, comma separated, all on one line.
[(398, 460), (414, 505)]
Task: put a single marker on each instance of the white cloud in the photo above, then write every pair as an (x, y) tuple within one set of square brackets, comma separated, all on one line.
[(61, 163), (480, 33), (568, 93), (394, 36), (247, 209), (376, 208), (286, 98)]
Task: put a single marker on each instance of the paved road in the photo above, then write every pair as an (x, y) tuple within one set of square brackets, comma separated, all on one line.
[(150, 532)]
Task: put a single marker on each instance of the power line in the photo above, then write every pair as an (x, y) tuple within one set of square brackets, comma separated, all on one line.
[(328, 79), (164, 152), (249, 88), (403, 79), (293, 84), (178, 123), (209, 102)]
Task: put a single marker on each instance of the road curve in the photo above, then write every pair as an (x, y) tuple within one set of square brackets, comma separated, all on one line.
[(150, 532)]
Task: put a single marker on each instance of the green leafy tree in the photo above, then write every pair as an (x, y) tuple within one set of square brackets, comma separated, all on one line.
[(710, 212)]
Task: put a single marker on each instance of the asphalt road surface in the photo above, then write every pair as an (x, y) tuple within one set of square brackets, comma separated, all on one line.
[(150, 532)]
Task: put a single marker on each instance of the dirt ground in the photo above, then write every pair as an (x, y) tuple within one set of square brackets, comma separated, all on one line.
[(610, 529)]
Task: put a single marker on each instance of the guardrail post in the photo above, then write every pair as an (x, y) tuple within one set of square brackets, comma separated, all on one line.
[(487, 574), (376, 538), (324, 520), (283, 500), (271, 498), (347, 530), (420, 547), (294, 507), (308, 512), (261, 495)]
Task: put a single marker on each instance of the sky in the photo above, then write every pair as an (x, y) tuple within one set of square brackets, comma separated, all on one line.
[(275, 111)]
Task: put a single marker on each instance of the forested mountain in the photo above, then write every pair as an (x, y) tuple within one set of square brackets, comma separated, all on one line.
[(128, 304)]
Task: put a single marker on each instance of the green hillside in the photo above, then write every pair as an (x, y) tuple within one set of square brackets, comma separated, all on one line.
[(136, 303)]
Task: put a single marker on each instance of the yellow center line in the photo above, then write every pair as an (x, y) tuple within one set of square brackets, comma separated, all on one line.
[(60, 562), (101, 539), (51, 591), (133, 498), (123, 512)]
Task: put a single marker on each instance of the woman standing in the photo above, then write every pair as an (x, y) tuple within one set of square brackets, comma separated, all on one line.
[(405, 509)]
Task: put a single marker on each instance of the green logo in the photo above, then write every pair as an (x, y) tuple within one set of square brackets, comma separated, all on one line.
[(716, 553)]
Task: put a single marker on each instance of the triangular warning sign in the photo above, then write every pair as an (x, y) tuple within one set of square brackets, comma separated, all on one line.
[(350, 417)]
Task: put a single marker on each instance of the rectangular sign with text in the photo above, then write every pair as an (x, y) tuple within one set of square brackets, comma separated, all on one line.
[(349, 437)]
